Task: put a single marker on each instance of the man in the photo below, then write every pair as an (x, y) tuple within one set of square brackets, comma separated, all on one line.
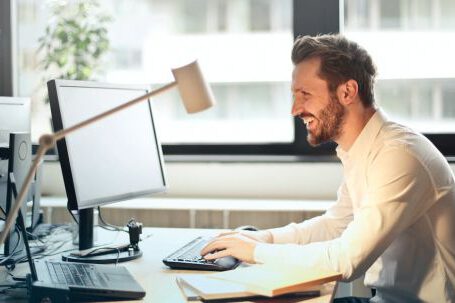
[(394, 218)]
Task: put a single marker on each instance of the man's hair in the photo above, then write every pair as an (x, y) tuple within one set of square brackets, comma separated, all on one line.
[(341, 60)]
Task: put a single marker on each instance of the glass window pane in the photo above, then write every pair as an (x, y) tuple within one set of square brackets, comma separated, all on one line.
[(412, 44), (390, 13), (243, 47), (448, 99)]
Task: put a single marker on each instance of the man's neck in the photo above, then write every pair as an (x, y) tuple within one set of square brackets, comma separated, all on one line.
[(353, 125)]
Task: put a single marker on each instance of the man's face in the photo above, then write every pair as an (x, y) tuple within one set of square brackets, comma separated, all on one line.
[(320, 110)]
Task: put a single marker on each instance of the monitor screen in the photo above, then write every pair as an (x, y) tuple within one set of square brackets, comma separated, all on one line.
[(14, 117), (114, 159)]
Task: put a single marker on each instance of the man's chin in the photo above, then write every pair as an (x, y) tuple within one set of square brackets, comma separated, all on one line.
[(315, 141)]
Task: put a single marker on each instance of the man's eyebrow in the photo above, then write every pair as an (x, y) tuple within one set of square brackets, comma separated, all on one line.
[(299, 89)]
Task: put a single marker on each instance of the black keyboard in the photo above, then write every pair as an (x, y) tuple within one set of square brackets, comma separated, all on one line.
[(75, 274), (188, 257)]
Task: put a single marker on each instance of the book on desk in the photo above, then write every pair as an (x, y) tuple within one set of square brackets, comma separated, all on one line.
[(257, 281)]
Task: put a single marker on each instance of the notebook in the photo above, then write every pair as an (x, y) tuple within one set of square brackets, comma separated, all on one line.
[(275, 280), (197, 288)]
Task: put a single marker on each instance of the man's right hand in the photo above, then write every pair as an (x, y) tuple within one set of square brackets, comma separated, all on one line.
[(238, 244)]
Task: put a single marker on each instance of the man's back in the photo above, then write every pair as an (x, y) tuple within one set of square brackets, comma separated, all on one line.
[(420, 261)]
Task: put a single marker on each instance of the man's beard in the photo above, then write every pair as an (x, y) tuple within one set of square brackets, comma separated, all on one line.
[(330, 121)]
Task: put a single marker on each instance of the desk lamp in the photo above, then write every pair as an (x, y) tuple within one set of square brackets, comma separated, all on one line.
[(194, 92)]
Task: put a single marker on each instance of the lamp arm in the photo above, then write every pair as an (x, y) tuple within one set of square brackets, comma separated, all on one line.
[(62, 133), (47, 141)]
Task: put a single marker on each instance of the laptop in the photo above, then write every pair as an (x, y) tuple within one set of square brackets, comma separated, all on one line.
[(57, 281)]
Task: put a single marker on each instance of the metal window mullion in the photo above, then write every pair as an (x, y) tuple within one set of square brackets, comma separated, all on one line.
[(313, 17), (7, 48)]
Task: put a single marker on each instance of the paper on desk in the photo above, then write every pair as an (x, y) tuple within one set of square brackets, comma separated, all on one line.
[(211, 289), (273, 281)]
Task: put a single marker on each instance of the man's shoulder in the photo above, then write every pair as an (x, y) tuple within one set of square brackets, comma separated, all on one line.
[(397, 136), (402, 146)]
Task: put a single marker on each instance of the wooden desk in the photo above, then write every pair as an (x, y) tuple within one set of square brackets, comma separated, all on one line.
[(156, 278)]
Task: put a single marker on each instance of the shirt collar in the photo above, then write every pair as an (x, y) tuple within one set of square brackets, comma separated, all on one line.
[(366, 137)]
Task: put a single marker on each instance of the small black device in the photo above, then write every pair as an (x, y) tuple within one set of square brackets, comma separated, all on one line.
[(134, 230), (189, 257), (247, 227)]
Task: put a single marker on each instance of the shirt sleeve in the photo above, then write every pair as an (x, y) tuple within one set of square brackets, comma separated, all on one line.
[(328, 226), (398, 191)]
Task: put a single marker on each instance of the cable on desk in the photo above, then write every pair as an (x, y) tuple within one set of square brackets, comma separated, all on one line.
[(107, 248), (53, 247), (14, 250), (109, 226), (7, 287), (13, 285), (4, 213)]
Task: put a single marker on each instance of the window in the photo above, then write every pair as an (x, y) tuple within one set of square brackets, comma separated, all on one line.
[(244, 48), (412, 44)]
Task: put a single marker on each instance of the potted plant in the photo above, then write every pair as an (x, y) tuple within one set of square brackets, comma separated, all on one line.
[(75, 40)]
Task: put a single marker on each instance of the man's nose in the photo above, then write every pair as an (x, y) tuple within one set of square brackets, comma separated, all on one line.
[(297, 106)]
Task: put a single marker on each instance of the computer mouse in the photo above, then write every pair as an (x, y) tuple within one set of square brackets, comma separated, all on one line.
[(247, 227)]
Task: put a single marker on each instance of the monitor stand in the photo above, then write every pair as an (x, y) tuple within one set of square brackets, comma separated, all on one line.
[(103, 255)]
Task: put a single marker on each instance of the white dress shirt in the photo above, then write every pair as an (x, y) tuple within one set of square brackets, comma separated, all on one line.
[(394, 219)]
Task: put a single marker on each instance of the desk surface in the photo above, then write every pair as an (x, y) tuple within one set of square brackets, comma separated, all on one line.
[(157, 279)]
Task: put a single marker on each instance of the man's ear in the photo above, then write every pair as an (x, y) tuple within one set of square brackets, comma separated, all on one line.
[(348, 92)]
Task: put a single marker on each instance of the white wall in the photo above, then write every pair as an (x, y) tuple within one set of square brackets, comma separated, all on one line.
[(236, 180)]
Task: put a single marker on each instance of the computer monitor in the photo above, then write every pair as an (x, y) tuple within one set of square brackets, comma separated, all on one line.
[(14, 119), (115, 159)]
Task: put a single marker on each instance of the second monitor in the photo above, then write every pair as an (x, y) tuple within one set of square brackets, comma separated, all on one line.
[(116, 159)]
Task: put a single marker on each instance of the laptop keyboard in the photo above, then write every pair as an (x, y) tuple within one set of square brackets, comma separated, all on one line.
[(188, 257), (75, 274)]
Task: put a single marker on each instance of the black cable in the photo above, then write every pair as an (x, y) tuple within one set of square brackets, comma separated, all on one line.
[(14, 285), (35, 237), (13, 252), (72, 215), (106, 225), (3, 211), (50, 250)]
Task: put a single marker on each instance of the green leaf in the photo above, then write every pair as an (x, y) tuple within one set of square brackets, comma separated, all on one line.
[(75, 38)]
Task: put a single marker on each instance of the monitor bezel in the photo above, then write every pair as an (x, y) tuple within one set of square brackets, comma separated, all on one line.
[(54, 87)]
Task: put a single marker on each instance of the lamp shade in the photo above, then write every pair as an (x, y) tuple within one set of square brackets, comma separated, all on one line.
[(194, 91)]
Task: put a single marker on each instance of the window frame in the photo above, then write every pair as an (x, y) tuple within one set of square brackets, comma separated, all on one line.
[(310, 17)]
